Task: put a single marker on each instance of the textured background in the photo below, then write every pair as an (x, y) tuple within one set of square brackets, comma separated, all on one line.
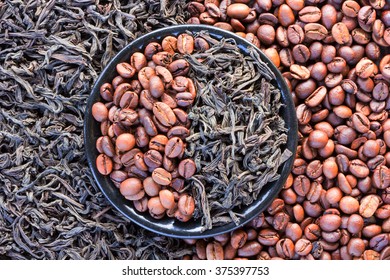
[(51, 52)]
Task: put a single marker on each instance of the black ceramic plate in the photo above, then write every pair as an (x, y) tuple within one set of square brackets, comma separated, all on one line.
[(167, 226)]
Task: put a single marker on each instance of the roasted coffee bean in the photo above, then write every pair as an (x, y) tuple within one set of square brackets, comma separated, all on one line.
[(174, 147), (299, 72), (365, 68), (268, 237), (310, 14), (186, 205), (285, 15), (161, 176), (187, 168), (295, 34), (250, 249), (104, 164), (214, 251), (125, 70), (167, 199), (358, 168), (185, 42), (315, 31), (238, 238), (330, 222), (164, 114), (303, 247), (341, 33), (368, 205)]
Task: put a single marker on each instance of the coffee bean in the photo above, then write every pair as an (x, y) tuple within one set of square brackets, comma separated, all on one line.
[(104, 164), (303, 247), (214, 251), (174, 147), (315, 31), (167, 199), (340, 33), (187, 168), (186, 205), (365, 68), (330, 222), (185, 42), (285, 15), (250, 249), (295, 34), (299, 72), (368, 205), (358, 168), (238, 238), (310, 14), (268, 237), (318, 139), (161, 176)]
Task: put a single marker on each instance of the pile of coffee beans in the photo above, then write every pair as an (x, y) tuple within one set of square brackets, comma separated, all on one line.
[(334, 57), (144, 124)]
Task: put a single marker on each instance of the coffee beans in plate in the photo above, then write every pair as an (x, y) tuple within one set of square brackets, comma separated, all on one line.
[(162, 107)]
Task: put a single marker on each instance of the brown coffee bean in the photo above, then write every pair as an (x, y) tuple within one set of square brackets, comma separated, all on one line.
[(299, 72), (355, 224), (360, 122), (381, 177), (285, 15), (318, 139), (293, 231), (385, 254), (303, 247), (155, 207), (138, 61), (301, 185), (178, 131), (349, 204), (330, 222), (141, 205), (99, 112), (238, 238), (276, 206), (130, 187), (187, 168), (151, 187), (340, 33), (179, 67), (365, 68), (214, 251), (268, 237), (358, 168), (366, 17), (350, 8), (161, 176), (295, 34), (250, 249), (185, 42), (164, 114), (167, 199), (368, 205), (238, 11), (141, 137), (174, 147), (125, 70), (144, 76), (104, 164), (186, 204), (356, 247), (316, 97), (315, 31), (310, 14), (106, 91), (153, 159), (158, 143), (184, 99), (125, 142)]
